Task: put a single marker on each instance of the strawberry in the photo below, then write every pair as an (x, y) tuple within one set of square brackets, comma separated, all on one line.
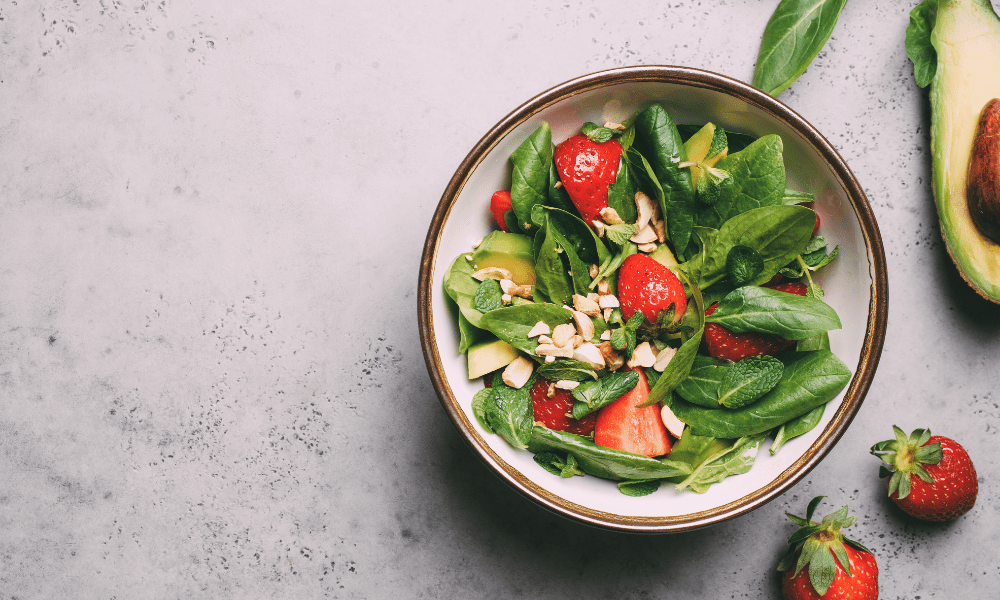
[(554, 412), (623, 426), (499, 205), (932, 477), (646, 286), (726, 345), (838, 568), (586, 168)]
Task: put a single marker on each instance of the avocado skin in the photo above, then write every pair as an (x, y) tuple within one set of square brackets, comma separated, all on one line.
[(966, 37)]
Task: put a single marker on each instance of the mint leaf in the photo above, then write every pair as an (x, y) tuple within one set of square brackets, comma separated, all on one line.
[(743, 265), (488, 297), (748, 380), (596, 133)]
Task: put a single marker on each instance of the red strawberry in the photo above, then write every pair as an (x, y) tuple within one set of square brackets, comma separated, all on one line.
[(726, 345), (838, 568), (586, 168), (646, 286), (554, 412), (932, 477), (816, 226), (499, 205), (623, 426)]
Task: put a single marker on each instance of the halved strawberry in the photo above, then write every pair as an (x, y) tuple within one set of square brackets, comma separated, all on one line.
[(622, 426), (586, 168), (726, 345), (554, 412), (499, 205), (647, 286)]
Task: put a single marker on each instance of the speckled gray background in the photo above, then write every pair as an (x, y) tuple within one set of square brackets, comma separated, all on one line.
[(211, 385)]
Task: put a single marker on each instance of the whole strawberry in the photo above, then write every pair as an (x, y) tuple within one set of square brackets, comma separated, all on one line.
[(822, 563), (929, 477), (646, 286), (586, 168), (726, 345)]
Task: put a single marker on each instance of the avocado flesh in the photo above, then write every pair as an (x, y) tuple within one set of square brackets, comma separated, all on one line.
[(511, 251), (487, 357), (966, 37), (697, 147)]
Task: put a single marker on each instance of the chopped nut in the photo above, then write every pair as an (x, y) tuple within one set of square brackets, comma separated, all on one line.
[(544, 339), (558, 185), (609, 301), (506, 298), (646, 208), (594, 270), (610, 216), (562, 334), (606, 334), (589, 354), (552, 350), (497, 273), (646, 248), (586, 305), (613, 125), (687, 164), (479, 243), (505, 285), (468, 257), (598, 227), (521, 291), (607, 314), (518, 372), (642, 356), (660, 227), (584, 326), (603, 287), (663, 358), (566, 384), (644, 235), (612, 358), (550, 359), (551, 392), (575, 341), (674, 425), (540, 328)]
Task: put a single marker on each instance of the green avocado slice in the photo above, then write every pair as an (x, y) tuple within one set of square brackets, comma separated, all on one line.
[(956, 45)]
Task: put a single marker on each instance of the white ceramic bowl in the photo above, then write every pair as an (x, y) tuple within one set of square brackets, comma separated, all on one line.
[(855, 283)]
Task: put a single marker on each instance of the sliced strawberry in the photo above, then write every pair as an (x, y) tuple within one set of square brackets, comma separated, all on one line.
[(647, 286), (554, 412), (622, 426), (726, 345), (586, 168), (499, 205)]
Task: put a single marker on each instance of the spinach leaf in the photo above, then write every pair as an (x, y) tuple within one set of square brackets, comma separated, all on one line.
[(488, 297), (621, 193), (810, 379), (552, 279), (566, 369), (821, 341), (796, 427), (659, 143), (919, 46), (738, 141), (603, 462), (461, 287), (763, 310), (679, 367), (702, 385), (594, 395), (624, 338), (733, 460), (743, 265), (641, 487), (749, 379), (796, 197), (530, 166), (757, 173), (609, 268), (508, 412), (778, 233), (479, 402), (794, 35), (512, 323), (561, 465), (578, 242)]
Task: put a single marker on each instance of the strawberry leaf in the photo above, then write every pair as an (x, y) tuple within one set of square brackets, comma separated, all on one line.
[(822, 570), (812, 507), (841, 553)]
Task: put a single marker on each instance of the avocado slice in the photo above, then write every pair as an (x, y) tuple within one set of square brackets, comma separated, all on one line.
[(486, 357), (955, 45), (511, 251), (706, 146)]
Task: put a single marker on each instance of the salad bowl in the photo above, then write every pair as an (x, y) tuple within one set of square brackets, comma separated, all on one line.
[(855, 285)]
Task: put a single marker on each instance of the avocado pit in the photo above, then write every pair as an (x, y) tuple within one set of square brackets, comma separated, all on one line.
[(983, 188)]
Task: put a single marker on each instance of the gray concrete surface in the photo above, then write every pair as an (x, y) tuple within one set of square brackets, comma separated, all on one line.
[(211, 385)]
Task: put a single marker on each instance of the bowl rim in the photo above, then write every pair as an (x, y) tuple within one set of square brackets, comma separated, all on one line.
[(853, 397)]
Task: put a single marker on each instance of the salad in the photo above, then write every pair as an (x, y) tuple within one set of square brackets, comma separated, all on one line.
[(646, 311)]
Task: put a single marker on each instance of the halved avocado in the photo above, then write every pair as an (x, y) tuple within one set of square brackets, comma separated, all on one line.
[(965, 36)]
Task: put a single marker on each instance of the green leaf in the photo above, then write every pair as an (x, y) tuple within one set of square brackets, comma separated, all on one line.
[(919, 46), (600, 461), (479, 402), (552, 278), (621, 193), (530, 166), (764, 310), (734, 460), (566, 369), (593, 395), (512, 323), (822, 569), (794, 35), (596, 133), (509, 412), (642, 487), (577, 242), (810, 379), (701, 386), (743, 265), (488, 296), (619, 234), (758, 176), (797, 427), (557, 464), (748, 380)]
